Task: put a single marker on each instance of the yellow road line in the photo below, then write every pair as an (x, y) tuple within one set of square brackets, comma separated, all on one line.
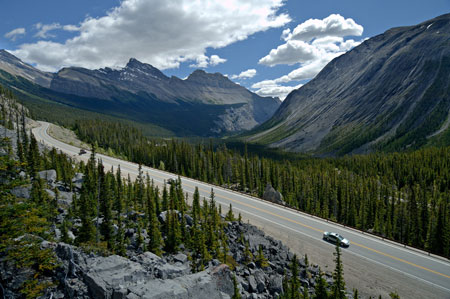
[(400, 260)]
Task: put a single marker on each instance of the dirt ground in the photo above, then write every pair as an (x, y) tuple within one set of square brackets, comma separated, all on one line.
[(66, 136)]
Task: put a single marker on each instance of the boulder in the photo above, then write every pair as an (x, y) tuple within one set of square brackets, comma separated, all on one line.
[(50, 193), (216, 283), (106, 273), (168, 271), (180, 257), (189, 220), (21, 191), (260, 281), (252, 284), (275, 284), (272, 195), (147, 259), (48, 175), (163, 215), (78, 180)]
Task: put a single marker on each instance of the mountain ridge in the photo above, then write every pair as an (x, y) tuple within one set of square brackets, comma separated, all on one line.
[(213, 104), (363, 99)]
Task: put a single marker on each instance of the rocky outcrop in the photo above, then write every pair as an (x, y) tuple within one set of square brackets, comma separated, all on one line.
[(272, 195)]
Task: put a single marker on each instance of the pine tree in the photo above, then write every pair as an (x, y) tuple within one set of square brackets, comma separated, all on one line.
[(294, 284), (321, 287), (196, 207), (230, 216), (87, 229), (105, 198), (236, 293), (261, 260), (338, 289), (248, 256)]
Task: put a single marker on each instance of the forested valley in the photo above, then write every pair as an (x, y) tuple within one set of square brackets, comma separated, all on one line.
[(403, 196), (44, 235)]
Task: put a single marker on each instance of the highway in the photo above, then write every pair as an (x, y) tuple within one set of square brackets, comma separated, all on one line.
[(419, 270)]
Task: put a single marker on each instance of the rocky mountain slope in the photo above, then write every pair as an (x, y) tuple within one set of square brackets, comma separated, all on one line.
[(203, 104), (390, 92)]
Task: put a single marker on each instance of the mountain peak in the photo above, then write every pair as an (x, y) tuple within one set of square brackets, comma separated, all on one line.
[(133, 62), (143, 69), (200, 76)]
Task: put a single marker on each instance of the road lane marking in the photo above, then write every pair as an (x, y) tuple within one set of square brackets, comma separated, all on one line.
[(154, 173), (401, 260)]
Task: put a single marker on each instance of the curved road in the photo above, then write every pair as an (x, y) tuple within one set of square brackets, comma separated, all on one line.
[(418, 268)]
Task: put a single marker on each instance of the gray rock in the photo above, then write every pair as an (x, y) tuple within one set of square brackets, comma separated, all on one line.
[(272, 195), (106, 273), (65, 198), (71, 235), (147, 259), (189, 220), (78, 180), (50, 193), (48, 175), (120, 293), (57, 234), (202, 285), (260, 280), (243, 283), (180, 257), (21, 191), (168, 271), (253, 285), (275, 284)]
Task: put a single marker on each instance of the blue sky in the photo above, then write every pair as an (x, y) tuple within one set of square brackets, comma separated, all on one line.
[(269, 46)]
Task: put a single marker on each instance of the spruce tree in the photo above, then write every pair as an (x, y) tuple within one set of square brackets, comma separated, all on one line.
[(230, 216), (338, 289), (236, 293), (261, 260), (321, 287)]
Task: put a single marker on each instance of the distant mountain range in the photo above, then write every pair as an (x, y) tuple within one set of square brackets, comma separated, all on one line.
[(204, 104), (391, 92)]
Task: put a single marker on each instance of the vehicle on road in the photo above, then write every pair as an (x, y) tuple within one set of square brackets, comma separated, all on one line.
[(170, 181), (82, 151), (336, 239)]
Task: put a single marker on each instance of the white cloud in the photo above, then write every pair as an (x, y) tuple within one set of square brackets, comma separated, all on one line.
[(215, 60), (270, 88), (71, 28), (204, 61), (293, 51), (14, 34), (311, 45), (250, 73), (44, 29), (163, 33), (333, 25)]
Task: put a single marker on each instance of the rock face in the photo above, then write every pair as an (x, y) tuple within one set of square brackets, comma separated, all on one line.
[(119, 277), (273, 195), (203, 104), (390, 91)]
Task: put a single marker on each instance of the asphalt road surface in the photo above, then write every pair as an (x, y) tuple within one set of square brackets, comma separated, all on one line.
[(419, 269)]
